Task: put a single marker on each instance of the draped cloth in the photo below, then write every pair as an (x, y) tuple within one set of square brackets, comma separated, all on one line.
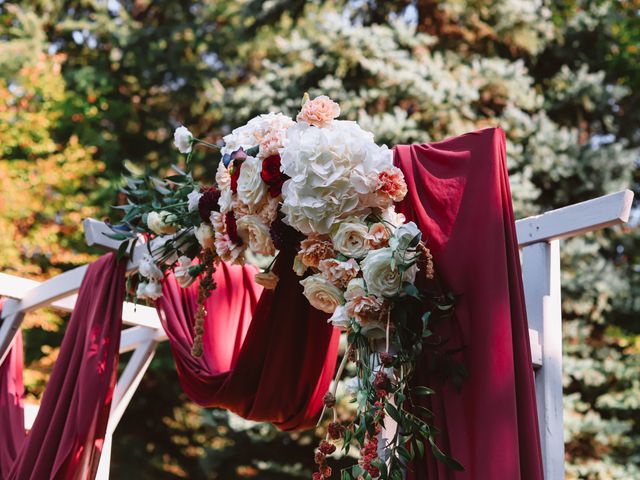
[(460, 199), (11, 405), (67, 435), (268, 355)]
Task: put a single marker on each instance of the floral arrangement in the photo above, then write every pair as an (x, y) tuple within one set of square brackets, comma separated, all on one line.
[(323, 187)]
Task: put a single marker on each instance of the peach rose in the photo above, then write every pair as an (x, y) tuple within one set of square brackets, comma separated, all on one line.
[(377, 237), (319, 112), (313, 250), (337, 272), (392, 183), (268, 280)]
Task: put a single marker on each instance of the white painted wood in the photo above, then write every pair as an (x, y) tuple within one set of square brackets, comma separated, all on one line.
[(30, 412), (129, 381), (541, 273), (536, 348), (105, 459), (132, 338), (576, 219)]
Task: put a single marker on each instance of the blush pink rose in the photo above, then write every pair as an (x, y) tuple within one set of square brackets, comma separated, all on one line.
[(392, 183), (365, 309), (319, 112)]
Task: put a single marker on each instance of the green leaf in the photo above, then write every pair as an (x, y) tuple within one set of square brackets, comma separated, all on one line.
[(253, 151), (419, 444), (393, 412), (122, 250), (447, 460), (117, 236), (422, 391)]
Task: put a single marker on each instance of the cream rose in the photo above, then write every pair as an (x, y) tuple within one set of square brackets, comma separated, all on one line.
[(355, 288), (251, 188), (382, 276), (340, 319), (256, 234), (350, 239), (160, 222), (204, 235), (321, 293)]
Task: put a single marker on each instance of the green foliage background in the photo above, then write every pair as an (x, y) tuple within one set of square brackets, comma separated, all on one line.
[(89, 85)]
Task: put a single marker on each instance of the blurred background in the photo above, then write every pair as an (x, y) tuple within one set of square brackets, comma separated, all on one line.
[(89, 86)]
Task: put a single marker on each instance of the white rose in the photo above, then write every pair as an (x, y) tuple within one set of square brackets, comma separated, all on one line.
[(381, 275), (160, 222), (374, 330), (251, 188), (204, 235), (350, 239), (151, 290), (182, 139), (321, 293), (409, 274), (404, 235), (340, 319), (256, 234), (149, 269), (181, 272), (194, 199)]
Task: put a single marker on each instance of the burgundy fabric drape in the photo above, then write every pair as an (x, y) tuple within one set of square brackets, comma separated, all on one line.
[(66, 439), (11, 405), (460, 198), (268, 355)]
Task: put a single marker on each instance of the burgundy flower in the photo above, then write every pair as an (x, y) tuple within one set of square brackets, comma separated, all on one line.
[(386, 359), (235, 173), (272, 176), (208, 202), (326, 447), (335, 430), (381, 382), (232, 228)]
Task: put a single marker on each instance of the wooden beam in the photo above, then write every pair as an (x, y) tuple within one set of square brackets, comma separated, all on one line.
[(601, 212)]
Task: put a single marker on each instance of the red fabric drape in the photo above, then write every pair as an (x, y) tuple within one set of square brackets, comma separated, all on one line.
[(66, 439), (268, 355), (11, 405), (460, 198)]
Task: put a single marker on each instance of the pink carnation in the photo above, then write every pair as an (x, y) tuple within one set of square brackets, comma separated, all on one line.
[(319, 112), (365, 309), (337, 272), (392, 183)]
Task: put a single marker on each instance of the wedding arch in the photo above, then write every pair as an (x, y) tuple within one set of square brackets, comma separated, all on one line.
[(539, 242)]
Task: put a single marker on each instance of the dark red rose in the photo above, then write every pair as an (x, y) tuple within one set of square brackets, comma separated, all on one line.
[(208, 202), (235, 173), (232, 228), (272, 176), (271, 169)]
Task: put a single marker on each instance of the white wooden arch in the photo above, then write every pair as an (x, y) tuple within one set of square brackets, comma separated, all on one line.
[(538, 238)]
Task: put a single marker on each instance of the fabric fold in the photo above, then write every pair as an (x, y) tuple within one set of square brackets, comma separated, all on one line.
[(67, 435), (268, 355), (459, 197)]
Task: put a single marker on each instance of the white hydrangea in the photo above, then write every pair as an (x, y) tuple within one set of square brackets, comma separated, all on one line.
[(333, 171)]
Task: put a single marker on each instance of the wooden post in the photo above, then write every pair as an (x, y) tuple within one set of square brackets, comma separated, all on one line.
[(541, 272)]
